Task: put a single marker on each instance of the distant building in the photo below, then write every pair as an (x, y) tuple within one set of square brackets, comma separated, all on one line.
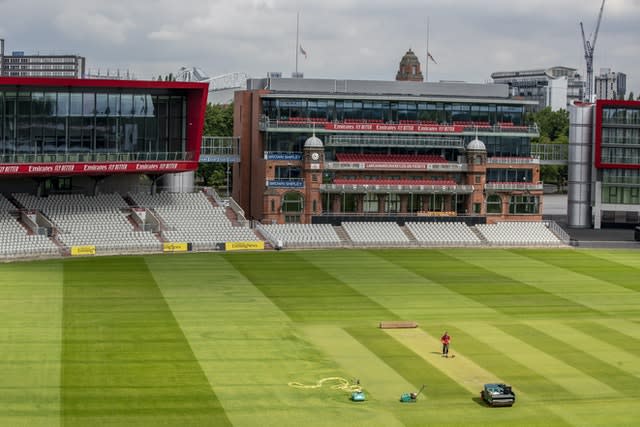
[(409, 68), (610, 85), (324, 150), (555, 87), (18, 64), (604, 164)]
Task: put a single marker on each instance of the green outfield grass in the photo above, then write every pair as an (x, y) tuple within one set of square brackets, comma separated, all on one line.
[(216, 339)]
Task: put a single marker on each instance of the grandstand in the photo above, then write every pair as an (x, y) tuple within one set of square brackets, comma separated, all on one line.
[(191, 217), (32, 226), (301, 235), (443, 234), (16, 240), (518, 234), (376, 234), (102, 221)]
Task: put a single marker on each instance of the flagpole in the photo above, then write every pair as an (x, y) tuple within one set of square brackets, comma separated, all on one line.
[(426, 63), (297, 40)]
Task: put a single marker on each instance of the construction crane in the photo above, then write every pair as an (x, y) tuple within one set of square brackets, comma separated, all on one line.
[(589, 47)]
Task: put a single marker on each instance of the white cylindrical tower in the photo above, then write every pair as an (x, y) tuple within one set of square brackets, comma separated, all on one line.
[(580, 165)]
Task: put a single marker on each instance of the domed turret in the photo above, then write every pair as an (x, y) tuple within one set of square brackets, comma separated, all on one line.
[(409, 68), (313, 142), (476, 145)]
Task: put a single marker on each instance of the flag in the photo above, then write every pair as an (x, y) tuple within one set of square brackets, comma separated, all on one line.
[(304, 52), (429, 56)]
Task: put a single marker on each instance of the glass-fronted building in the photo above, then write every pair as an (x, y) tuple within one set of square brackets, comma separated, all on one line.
[(386, 149), (83, 127), (604, 164)]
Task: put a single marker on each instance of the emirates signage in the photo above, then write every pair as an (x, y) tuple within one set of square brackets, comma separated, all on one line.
[(382, 127), (95, 168)]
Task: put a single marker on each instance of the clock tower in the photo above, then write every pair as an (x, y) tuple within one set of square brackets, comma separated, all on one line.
[(313, 168)]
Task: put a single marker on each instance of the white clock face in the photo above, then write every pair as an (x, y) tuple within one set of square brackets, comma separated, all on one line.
[(315, 156)]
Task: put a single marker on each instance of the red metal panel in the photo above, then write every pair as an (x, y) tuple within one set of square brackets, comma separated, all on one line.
[(102, 168), (600, 104)]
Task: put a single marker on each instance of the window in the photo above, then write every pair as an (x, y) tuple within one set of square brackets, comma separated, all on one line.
[(292, 202), (494, 204), (523, 205)]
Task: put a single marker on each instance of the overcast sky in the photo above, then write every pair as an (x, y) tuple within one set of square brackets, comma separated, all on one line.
[(344, 39)]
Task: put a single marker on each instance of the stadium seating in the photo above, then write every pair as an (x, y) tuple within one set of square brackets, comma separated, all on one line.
[(16, 241), (361, 181), (192, 218), (302, 235), (443, 234), (389, 158), (376, 234), (519, 234), (99, 221)]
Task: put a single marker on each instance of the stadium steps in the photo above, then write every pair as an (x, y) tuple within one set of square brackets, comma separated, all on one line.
[(480, 236), (64, 250), (229, 213), (409, 235), (342, 234), (131, 221), (14, 201), (127, 198), (28, 231)]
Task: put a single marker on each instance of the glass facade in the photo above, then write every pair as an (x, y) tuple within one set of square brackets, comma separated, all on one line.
[(389, 110), (620, 135), (59, 126), (340, 110), (621, 186)]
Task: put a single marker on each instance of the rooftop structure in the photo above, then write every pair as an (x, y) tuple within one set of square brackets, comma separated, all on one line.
[(19, 64), (555, 87)]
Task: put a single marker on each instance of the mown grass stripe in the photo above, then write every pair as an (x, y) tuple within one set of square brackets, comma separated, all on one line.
[(463, 370), (125, 360), (408, 295), (627, 327), (409, 365), (584, 263), (613, 342), (586, 336), (588, 365), (497, 291), (546, 361), (457, 367), (379, 381), (567, 284), (305, 292), (30, 333)]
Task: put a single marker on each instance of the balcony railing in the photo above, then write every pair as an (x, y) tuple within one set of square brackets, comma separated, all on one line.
[(220, 149), (370, 140), (267, 124), (396, 166), (390, 188), (513, 161), (511, 186), (89, 157)]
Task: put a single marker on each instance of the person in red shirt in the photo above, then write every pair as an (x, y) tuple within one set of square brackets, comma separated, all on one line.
[(445, 340)]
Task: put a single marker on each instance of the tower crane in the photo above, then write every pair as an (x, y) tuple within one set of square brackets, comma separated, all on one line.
[(589, 47)]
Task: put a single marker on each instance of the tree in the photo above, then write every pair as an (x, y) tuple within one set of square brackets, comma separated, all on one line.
[(631, 98), (553, 125), (554, 129), (218, 121)]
